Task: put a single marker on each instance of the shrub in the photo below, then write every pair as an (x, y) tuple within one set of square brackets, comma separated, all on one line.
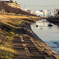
[(11, 33)]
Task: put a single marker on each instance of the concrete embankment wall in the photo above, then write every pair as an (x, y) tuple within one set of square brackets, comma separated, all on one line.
[(32, 34), (53, 19), (29, 31)]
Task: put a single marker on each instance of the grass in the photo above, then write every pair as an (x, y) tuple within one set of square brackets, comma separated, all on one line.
[(6, 54), (6, 49), (11, 33), (16, 19), (10, 21), (20, 22)]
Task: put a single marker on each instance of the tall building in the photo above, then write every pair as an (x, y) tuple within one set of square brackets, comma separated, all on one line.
[(12, 3), (44, 13)]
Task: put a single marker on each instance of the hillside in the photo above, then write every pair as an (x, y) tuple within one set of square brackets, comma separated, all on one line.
[(10, 9), (8, 24), (9, 39)]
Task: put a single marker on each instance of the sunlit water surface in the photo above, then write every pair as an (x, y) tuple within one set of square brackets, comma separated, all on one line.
[(50, 35)]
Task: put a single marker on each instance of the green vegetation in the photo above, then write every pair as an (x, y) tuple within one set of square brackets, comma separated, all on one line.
[(6, 54), (30, 20), (6, 49), (11, 33)]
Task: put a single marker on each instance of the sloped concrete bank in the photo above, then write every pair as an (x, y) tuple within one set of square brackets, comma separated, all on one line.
[(31, 40), (30, 32), (53, 19)]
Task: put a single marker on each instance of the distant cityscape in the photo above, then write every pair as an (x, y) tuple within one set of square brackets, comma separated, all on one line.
[(40, 13), (43, 13)]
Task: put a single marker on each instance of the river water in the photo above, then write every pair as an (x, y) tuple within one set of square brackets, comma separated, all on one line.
[(50, 35)]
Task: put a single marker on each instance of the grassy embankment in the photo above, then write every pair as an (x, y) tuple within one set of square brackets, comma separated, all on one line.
[(11, 21), (6, 49)]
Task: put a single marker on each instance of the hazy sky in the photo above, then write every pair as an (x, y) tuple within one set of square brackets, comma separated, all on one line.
[(39, 4)]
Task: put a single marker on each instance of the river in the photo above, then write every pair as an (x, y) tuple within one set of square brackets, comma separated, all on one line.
[(50, 35)]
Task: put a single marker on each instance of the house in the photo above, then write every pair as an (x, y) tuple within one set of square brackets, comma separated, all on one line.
[(12, 4)]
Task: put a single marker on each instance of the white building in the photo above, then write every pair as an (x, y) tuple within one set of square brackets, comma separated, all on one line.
[(27, 10), (38, 13), (49, 13), (45, 13)]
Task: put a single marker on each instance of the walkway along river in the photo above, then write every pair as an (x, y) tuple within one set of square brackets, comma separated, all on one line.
[(50, 35), (29, 46)]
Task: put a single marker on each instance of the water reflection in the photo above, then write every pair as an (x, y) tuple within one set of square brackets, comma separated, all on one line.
[(50, 35)]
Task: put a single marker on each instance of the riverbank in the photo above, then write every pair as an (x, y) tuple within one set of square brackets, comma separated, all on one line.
[(39, 43), (30, 48), (20, 38), (53, 19), (8, 25)]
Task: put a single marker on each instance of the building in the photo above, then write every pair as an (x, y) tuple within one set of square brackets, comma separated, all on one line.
[(12, 4), (45, 13), (38, 13), (41, 13), (49, 13), (27, 10), (56, 11)]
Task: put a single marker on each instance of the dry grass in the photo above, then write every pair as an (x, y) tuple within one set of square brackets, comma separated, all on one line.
[(15, 19), (6, 49), (10, 21)]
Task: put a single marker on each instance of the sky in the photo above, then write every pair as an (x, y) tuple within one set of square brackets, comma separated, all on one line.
[(39, 4)]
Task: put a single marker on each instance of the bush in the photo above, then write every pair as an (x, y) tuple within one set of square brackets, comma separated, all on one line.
[(11, 33), (6, 55)]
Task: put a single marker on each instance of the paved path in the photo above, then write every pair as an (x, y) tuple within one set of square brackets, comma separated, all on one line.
[(27, 50)]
